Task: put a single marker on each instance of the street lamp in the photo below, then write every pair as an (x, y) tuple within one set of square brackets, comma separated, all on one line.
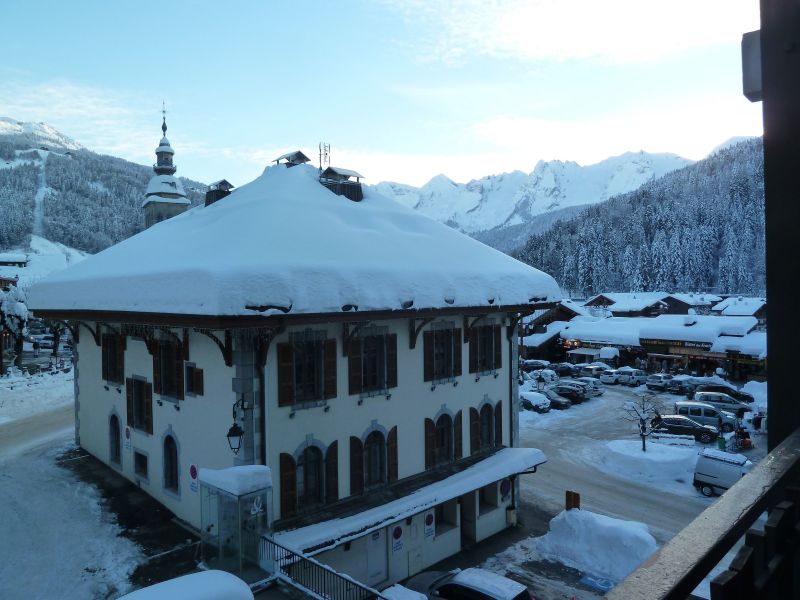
[(235, 433), (540, 382)]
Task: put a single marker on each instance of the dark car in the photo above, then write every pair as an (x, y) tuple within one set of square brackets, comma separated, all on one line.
[(573, 393), (680, 425), (563, 368), (681, 384), (722, 388), (557, 402)]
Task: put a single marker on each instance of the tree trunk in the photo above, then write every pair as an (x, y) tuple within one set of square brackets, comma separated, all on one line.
[(56, 341), (18, 339)]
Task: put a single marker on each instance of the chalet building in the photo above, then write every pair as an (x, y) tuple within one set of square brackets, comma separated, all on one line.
[(165, 196), (218, 190), (13, 259), (364, 354), (740, 306), (10, 263), (540, 332), (680, 304), (633, 304)]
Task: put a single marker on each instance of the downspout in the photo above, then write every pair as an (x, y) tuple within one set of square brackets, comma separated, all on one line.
[(262, 403), (512, 367)]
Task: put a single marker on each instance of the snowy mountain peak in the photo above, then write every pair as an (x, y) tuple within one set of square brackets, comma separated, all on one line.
[(36, 134)]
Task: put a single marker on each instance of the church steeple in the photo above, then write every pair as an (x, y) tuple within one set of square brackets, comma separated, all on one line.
[(164, 152)]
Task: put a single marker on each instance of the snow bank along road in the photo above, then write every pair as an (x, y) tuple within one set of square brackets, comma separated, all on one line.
[(591, 424)]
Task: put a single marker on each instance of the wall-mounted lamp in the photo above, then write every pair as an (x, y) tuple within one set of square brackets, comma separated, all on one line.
[(235, 433)]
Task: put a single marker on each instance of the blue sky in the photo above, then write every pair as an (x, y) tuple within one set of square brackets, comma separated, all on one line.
[(401, 90)]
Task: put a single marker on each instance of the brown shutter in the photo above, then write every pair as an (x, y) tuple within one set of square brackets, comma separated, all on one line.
[(148, 408), (498, 348), (354, 366), (473, 350), (391, 445), (474, 431), (332, 473), (330, 368), (427, 343), (119, 348), (458, 442), (356, 466), (430, 443), (288, 486), (285, 374), (498, 424), (457, 352), (179, 376), (104, 357), (156, 367), (391, 360), (197, 381), (129, 397)]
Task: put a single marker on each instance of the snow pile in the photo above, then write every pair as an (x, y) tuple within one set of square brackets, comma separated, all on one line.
[(759, 391), (206, 585), (238, 480), (596, 544), (285, 244), (26, 396)]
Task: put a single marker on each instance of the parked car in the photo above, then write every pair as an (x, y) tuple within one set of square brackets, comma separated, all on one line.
[(681, 384), (632, 377), (557, 402), (469, 583), (531, 364), (681, 425), (523, 377), (706, 414), (716, 470), (610, 376), (723, 402), (725, 389), (574, 393), (563, 368), (591, 370), (657, 381), (548, 375), (595, 387), (535, 401)]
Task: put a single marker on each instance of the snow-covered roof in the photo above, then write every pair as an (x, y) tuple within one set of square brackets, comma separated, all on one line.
[(329, 534), (753, 344), (165, 184), (165, 149), (13, 257), (699, 299), (695, 328), (493, 585), (618, 331), (574, 306), (739, 306), (630, 301), (537, 339), (295, 156), (343, 172), (238, 480), (284, 240)]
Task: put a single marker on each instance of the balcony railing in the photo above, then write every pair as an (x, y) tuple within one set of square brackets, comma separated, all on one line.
[(764, 567), (311, 576)]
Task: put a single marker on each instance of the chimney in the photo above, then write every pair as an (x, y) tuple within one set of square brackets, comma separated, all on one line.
[(217, 191)]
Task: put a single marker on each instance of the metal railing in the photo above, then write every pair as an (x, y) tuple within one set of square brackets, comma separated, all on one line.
[(763, 566), (311, 576)]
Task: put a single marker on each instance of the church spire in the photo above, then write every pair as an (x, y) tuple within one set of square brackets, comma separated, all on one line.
[(164, 119), (164, 152), (165, 196)]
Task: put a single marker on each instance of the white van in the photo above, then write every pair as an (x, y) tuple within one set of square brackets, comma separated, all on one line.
[(716, 471)]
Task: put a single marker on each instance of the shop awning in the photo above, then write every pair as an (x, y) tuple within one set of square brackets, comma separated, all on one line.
[(653, 355), (584, 352), (328, 534)]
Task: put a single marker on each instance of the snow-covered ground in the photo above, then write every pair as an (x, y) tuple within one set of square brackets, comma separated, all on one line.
[(44, 257), (22, 397)]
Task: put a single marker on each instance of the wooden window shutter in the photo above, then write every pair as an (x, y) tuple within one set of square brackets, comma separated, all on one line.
[(148, 408), (119, 348), (498, 347), (104, 357), (430, 443), (458, 442), (391, 360), (288, 485), (427, 343), (391, 446), (332, 473), (356, 466), (197, 381), (474, 431), (285, 374), (156, 367), (129, 397), (179, 375), (457, 352), (498, 424), (473, 351), (330, 368), (354, 366)]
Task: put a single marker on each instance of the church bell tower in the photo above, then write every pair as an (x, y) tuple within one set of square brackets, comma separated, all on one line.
[(165, 196)]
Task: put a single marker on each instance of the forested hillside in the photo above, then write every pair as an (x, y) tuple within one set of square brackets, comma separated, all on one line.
[(698, 228)]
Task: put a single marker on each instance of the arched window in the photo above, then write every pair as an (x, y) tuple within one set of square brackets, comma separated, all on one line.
[(115, 440), (486, 426), (374, 459), (309, 477), (443, 450), (170, 464)]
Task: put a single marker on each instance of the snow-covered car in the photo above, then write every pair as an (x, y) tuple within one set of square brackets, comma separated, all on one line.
[(595, 387), (531, 364), (548, 375), (632, 377), (205, 585), (725, 389), (523, 377), (610, 376), (681, 425), (467, 584), (591, 370), (573, 392), (681, 384), (563, 368), (706, 414), (534, 401), (723, 402), (557, 402), (658, 381)]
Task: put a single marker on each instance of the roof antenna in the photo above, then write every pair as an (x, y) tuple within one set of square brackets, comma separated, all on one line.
[(324, 155)]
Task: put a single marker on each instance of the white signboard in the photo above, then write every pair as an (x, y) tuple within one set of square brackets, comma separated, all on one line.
[(193, 481), (397, 539), (430, 524)]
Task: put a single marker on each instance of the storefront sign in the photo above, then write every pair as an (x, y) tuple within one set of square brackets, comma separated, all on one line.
[(193, 482), (430, 525), (675, 343)]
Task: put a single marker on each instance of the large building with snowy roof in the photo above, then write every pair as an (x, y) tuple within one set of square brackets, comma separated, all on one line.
[(363, 352)]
